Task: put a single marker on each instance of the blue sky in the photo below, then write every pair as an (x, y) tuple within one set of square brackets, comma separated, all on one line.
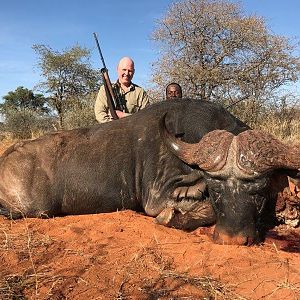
[(123, 27)]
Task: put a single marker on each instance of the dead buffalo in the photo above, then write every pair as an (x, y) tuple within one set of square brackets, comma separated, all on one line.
[(195, 166)]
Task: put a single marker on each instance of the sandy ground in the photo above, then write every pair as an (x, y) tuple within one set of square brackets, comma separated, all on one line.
[(125, 255)]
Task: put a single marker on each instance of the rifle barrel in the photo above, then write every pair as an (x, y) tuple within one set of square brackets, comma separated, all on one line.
[(99, 49)]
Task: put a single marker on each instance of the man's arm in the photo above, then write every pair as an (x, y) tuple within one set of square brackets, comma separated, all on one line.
[(101, 109), (145, 100)]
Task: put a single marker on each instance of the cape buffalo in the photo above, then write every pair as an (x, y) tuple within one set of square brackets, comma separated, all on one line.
[(195, 166)]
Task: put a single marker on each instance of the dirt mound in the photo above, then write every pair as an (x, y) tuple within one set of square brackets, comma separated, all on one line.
[(125, 255)]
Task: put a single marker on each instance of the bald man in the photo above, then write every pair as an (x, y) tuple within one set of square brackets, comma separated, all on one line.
[(133, 97)]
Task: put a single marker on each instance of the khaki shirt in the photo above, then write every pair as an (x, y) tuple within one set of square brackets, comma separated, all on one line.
[(133, 100)]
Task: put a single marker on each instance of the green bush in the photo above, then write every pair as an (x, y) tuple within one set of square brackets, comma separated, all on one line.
[(26, 124)]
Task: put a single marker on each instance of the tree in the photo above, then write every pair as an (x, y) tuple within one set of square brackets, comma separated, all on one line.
[(81, 113), (22, 99), (68, 77), (25, 113), (217, 53)]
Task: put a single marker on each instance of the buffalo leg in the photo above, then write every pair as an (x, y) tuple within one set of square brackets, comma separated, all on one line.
[(202, 214)]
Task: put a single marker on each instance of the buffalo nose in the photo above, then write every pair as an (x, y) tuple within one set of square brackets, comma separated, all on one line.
[(223, 238)]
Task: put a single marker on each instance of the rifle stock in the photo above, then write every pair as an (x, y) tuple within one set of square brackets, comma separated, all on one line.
[(111, 102)]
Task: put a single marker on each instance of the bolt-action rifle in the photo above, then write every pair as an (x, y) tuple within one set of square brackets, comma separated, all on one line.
[(112, 101)]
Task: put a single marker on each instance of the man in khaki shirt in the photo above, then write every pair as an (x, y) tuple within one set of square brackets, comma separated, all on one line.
[(133, 97)]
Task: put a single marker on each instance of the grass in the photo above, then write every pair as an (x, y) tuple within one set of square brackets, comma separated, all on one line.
[(286, 131), (21, 243)]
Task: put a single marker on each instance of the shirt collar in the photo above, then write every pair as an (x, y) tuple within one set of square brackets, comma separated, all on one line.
[(131, 87)]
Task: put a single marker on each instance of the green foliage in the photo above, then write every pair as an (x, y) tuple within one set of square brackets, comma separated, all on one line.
[(22, 99), (26, 124), (68, 75), (25, 113)]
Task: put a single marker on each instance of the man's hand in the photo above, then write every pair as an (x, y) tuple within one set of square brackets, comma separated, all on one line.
[(121, 114)]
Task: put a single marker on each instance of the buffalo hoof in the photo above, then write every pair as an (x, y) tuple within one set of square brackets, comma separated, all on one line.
[(201, 215), (165, 217)]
